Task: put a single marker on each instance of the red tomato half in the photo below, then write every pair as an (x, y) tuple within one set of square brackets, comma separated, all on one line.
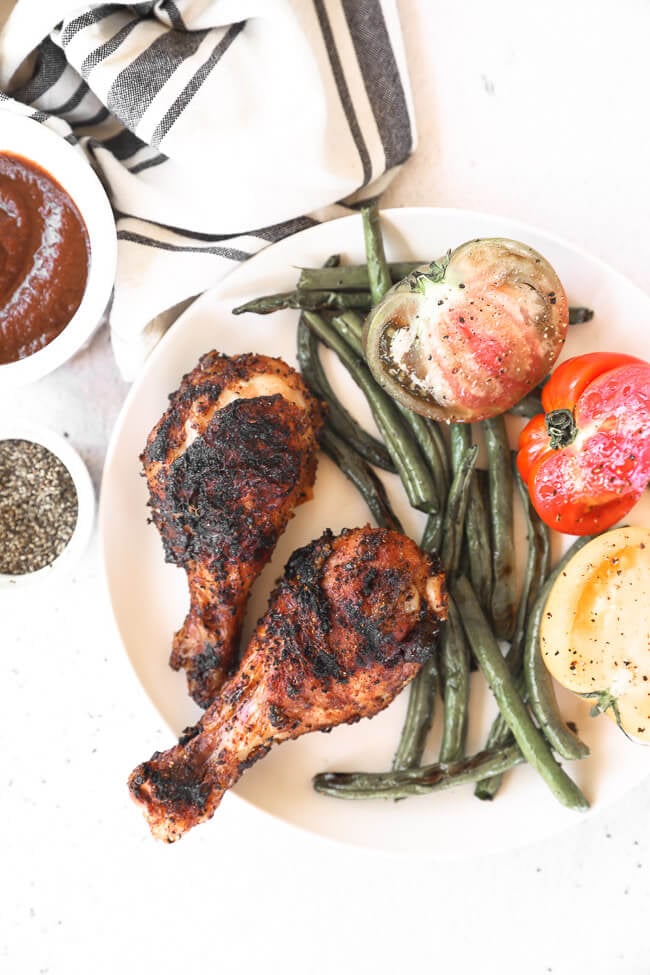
[(586, 459)]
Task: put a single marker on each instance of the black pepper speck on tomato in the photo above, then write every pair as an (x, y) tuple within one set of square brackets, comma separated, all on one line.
[(466, 337), (586, 459)]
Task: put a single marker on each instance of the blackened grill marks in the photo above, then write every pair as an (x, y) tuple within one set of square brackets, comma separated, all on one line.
[(305, 565), (222, 492), (303, 632), (347, 628), (226, 466), (175, 788), (204, 662), (369, 582), (157, 449), (189, 733), (303, 576)]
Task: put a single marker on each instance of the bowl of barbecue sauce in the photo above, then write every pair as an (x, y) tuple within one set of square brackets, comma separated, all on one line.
[(58, 250)]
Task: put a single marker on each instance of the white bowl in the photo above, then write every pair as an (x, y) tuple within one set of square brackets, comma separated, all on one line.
[(34, 141), (83, 529)]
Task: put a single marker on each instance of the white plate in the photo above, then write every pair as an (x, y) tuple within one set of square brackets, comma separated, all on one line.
[(149, 598)]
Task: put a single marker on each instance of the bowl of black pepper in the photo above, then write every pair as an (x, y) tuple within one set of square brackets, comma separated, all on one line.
[(47, 505), (58, 250)]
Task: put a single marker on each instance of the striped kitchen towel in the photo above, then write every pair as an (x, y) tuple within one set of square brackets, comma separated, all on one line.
[(216, 126)]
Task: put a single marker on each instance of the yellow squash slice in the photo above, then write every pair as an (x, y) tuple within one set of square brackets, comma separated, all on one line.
[(595, 634)]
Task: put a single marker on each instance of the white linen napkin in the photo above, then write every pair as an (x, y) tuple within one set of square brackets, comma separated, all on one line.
[(216, 126)]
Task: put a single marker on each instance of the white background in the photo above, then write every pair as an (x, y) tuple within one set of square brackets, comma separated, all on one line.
[(535, 111)]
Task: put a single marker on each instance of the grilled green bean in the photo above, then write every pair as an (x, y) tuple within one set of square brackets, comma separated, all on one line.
[(453, 524), (455, 657), (537, 566), (349, 328), (539, 683), (500, 736), (427, 443), (379, 278), (530, 740), (455, 668), (351, 277), (407, 457), (460, 440), (419, 716), (416, 781), (478, 544), (354, 322), (346, 327), (544, 706), (432, 534), (435, 429), (578, 316), (307, 300), (536, 570), (530, 405), (370, 448), (362, 476), (502, 523)]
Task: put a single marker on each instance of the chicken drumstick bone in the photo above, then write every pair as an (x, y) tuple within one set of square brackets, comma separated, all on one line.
[(226, 464), (348, 626)]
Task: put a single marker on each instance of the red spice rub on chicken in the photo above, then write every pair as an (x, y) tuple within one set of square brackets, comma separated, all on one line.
[(226, 465), (348, 626)]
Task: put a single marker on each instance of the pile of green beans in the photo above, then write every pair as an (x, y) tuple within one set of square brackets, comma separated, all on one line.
[(469, 526)]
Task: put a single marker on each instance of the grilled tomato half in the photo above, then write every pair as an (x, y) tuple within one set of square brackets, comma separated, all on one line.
[(466, 337)]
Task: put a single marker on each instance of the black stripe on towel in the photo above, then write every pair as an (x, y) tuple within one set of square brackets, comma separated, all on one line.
[(343, 90), (91, 17), (92, 120), (50, 67), (109, 47), (183, 232), (149, 163), (137, 85), (231, 253), (281, 230), (381, 77), (190, 90), (75, 99), (174, 15), (123, 145)]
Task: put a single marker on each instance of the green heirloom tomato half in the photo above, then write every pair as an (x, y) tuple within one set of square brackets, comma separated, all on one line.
[(466, 337)]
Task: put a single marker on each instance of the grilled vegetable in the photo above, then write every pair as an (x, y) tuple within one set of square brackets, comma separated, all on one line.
[(595, 632), (586, 459), (466, 337)]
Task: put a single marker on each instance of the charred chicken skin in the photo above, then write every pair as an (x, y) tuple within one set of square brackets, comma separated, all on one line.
[(347, 627), (227, 463)]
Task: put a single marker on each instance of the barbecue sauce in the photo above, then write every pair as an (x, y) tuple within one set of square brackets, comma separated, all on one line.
[(44, 258)]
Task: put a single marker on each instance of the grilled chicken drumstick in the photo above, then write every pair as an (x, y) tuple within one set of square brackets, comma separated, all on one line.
[(348, 626), (226, 465)]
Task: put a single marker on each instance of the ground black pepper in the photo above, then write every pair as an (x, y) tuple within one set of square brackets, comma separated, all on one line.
[(38, 507)]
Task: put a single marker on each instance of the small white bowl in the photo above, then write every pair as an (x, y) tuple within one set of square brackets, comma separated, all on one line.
[(34, 141), (86, 505)]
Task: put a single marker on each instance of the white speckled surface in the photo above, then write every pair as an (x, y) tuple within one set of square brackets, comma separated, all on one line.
[(537, 112)]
